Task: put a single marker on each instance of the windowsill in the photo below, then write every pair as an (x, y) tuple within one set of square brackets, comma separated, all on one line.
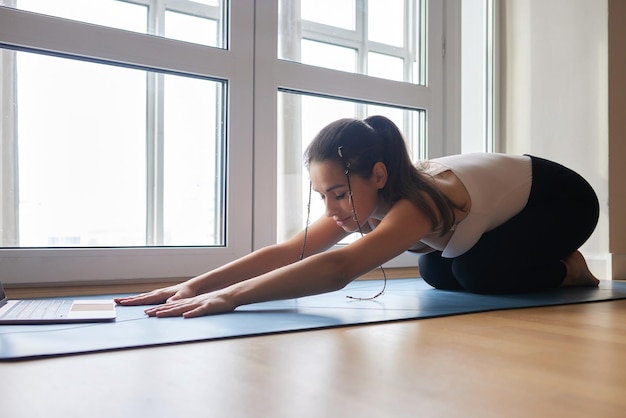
[(20, 292)]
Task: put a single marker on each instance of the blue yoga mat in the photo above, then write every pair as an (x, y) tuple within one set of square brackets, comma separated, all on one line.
[(404, 299)]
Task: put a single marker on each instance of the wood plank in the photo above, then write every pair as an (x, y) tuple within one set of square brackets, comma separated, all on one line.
[(556, 361)]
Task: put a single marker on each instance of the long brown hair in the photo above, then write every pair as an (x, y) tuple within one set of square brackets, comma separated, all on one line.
[(363, 143)]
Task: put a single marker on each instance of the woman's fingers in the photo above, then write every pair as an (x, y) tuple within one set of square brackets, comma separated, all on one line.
[(191, 308), (166, 310), (142, 299), (167, 294)]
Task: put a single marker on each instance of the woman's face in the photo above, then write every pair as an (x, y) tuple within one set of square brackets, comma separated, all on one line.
[(329, 180)]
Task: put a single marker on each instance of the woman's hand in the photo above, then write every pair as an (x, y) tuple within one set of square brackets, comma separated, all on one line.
[(163, 295), (206, 304)]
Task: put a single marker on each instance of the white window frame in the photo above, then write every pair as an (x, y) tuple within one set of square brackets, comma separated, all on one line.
[(479, 76), (254, 76), (75, 39), (273, 74)]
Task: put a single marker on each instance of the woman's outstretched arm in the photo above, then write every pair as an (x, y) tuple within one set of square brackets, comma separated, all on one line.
[(403, 225), (321, 236)]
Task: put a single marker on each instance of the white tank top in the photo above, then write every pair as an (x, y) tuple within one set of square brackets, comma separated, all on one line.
[(499, 187)]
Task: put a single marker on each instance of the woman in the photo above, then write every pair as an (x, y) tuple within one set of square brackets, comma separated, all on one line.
[(488, 223)]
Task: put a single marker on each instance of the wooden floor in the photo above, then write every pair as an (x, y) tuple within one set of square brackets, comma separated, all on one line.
[(565, 361)]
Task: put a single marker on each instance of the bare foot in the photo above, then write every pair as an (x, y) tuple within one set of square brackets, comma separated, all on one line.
[(578, 274)]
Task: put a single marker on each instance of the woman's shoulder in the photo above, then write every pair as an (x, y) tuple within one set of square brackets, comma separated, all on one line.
[(476, 158), (432, 167), (474, 162)]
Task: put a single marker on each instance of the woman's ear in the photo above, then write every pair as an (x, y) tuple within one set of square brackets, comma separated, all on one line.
[(379, 174)]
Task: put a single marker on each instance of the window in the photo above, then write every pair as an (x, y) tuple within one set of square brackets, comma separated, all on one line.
[(198, 21), (379, 38), (479, 76), (110, 156), (355, 38), (320, 77), (157, 145), (300, 117), (119, 147)]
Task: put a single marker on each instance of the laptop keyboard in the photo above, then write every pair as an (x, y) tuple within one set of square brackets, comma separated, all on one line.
[(37, 309)]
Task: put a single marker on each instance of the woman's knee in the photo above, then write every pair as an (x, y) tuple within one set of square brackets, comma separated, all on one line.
[(472, 278), (437, 271)]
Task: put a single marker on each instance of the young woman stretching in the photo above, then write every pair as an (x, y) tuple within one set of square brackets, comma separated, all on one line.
[(488, 223)]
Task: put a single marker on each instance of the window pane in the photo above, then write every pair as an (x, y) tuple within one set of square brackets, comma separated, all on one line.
[(385, 66), (113, 13), (300, 118), (193, 173), (191, 28), (338, 13), (192, 21), (81, 147), (107, 156), (387, 37), (329, 56), (385, 21)]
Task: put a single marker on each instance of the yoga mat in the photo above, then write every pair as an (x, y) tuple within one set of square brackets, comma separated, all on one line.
[(404, 299)]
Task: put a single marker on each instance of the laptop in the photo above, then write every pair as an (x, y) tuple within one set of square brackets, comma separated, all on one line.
[(54, 311)]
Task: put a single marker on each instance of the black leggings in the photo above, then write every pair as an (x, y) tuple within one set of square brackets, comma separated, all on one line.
[(524, 254)]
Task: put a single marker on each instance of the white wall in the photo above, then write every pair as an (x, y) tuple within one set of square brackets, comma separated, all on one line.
[(554, 94)]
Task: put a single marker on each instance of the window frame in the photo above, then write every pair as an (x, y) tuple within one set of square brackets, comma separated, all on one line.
[(273, 75), (355, 39), (254, 75), (72, 39)]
